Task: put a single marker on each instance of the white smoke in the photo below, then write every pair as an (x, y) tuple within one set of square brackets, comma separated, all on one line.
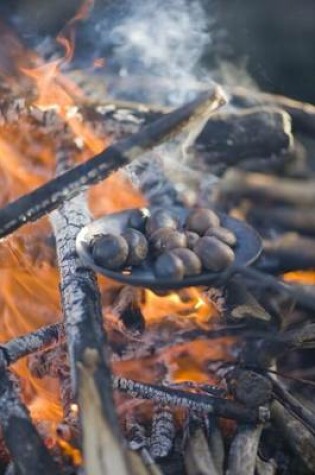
[(159, 39)]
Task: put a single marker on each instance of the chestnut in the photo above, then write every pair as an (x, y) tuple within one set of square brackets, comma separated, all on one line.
[(214, 254), (223, 234), (165, 239), (202, 219), (169, 266), (138, 218), (192, 263), (138, 246), (110, 251), (192, 238), (160, 218)]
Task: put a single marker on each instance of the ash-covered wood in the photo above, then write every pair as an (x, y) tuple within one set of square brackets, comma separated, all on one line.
[(26, 448), (243, 451), (39, 340), (162, 432), (88, 351), (48, 197), (196, 402)]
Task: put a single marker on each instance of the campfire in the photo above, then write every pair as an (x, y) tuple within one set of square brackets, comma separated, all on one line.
[(104, 375)]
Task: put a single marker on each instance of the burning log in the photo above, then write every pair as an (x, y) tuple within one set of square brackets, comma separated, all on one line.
[(197, 455), (230, 138), (51, 195), (162, 433), (243, 451), (267, 188), (303, 114), (28, 451), (39, 340), (87, 345), (196, 402), (292, 219), (295, 433)]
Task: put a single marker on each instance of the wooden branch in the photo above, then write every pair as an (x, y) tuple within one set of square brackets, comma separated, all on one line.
[(196, 402), (288, 218), (261, 188), (243, 451), (88, 349), (162, 432), (28, 451), (302, 113), (51, 195), (197, 455), (296, 434), (39, 340)]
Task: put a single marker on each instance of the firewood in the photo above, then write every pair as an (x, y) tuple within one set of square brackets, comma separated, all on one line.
[(302, 113), (197, 456), (243, 450), (48, 197), (298, 219), (295, 433), (261, 188), (216, 445), (30, 455), (289, 252), (162, 432)]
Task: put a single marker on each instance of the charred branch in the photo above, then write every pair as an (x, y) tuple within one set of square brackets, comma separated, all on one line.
[(243, 451), (51, 195), (162, 433), (196, 402), (266, 188), (28, 451)]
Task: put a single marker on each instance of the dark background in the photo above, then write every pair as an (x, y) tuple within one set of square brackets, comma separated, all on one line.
[(274, 38)]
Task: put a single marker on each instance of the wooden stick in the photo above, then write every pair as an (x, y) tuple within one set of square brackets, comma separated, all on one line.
[(260, 187), (243, 451), (88, 349), (28, 451), (291, 219), (48, 197)]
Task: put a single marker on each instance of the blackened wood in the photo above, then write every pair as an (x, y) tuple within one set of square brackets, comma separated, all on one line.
[(197, 402), (38, 340), (288, 218), (296, 408), (197, 455), (295, 433), (289, 252), (266, 188), (243, 451), (51, 195), (87, 343), (162, 432), (236, 136), (302, 113), (28, 451)]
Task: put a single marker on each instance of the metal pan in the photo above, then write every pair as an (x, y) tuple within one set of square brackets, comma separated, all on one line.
[(247, 250)]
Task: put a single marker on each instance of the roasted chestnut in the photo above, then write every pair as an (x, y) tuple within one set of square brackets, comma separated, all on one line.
[(165, 239), (138, 219), (110, 251), (192, 263), (138, 246), (192, 238), (214, 254), (223, 234), (202, 219), (160, 218), (169, 266)]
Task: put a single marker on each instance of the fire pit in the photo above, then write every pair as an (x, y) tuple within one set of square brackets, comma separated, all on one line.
[(209, 375)]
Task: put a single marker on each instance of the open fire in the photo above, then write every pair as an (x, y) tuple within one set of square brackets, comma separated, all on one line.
[(182, 362)]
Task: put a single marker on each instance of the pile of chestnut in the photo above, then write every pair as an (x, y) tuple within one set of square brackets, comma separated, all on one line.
[(177, 251)]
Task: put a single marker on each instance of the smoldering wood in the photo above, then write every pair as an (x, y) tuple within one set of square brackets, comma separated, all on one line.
[(232, 137), (289, 252), (30, 455), (197, 455), (216, 445), (87, 343), (296, 408), (302, 113), (297, 219), (241, 305), (162, 432), (262, 188), (39, 340), (301, 441), (243, 450), (197, 402), (50, 196)]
